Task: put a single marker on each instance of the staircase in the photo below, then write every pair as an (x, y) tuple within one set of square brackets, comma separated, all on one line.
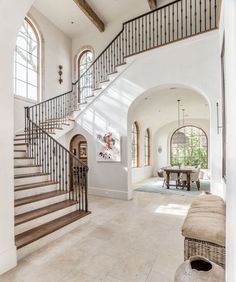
[(50, 182), (47, 197)]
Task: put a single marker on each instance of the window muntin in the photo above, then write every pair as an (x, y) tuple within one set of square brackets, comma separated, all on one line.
[(85, 78), (193, 151), (26, 62), (135, 144), (147, 148)]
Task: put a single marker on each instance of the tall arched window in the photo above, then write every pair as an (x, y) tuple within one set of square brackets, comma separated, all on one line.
[(27, 62), (84, 76), (147, 147), (135, 144), (189, 147)]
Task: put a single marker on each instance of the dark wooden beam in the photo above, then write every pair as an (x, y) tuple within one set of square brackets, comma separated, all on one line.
[(152, 4), (88, 11)]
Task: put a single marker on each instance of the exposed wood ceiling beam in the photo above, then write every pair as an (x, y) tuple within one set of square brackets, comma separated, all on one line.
[(88, 11), (152, 4)]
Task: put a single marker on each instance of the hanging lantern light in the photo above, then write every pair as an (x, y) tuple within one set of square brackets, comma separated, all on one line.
[(179, 137)]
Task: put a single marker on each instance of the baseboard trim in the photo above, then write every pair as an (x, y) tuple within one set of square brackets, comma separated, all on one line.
[(8, 259), (97, 191)]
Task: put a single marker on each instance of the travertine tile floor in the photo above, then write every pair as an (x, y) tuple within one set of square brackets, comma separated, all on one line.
[(138, 240)]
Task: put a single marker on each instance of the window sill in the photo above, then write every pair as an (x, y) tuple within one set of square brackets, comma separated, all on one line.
[(21, 98)]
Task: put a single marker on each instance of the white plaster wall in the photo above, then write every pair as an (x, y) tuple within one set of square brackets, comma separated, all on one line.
[(141, 173), (56, 50), (10, 21), (230, 63)]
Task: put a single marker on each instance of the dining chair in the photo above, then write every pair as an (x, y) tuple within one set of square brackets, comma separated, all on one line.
[(194, 177), (173, 177)]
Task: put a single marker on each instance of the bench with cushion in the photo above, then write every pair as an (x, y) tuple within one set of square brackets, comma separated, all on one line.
[(204, 229)]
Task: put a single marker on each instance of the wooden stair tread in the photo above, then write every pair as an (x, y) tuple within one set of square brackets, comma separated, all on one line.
[(20, 144), (34, 174), (39, 197), (18, 158), (34, 185), (27, 216), (24, 151), (36, 233), (24, 166)]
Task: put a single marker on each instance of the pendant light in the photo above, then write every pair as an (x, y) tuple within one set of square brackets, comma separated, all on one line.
[(179, 137)]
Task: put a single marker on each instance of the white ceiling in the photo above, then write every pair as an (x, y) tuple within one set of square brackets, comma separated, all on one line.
[(63, 12), (160, 106)]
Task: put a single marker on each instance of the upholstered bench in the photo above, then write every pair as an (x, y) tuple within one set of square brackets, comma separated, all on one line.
[(204, 229)]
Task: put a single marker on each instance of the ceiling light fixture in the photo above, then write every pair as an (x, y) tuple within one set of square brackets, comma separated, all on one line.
[(179, 137)]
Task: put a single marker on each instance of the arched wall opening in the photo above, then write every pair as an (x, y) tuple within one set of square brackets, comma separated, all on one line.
[(157, 110), (79, 147)]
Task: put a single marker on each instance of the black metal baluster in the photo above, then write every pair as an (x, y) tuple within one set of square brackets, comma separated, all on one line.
[(205, 16), (173, 23), (161, 25), (186, 18), (195, 15), (153, 31), (149, 31), (168, 24), (142, 34), (146, 39), (157, 20), (191, 23), (215, 7), (210, 13)]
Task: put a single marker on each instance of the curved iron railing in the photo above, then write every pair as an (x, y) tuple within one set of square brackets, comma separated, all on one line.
[(172, 22)]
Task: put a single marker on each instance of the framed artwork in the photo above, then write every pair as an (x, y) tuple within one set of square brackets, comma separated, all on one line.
[(108, 147), (83, 150)]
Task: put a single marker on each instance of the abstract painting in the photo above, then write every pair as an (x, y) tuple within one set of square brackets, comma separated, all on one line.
[(108, 147)]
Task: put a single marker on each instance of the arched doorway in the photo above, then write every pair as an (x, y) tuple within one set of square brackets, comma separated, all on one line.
[(78, 146), (157, 111)]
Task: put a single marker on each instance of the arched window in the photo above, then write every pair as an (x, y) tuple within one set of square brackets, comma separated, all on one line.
[(189, 147), (27, 62), (135, 144), (84, 76), (147, 147)]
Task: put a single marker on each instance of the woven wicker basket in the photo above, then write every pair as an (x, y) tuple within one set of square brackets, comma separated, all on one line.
[(213, 252)]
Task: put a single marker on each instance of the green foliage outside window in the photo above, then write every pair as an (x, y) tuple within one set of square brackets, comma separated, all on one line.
[(191, 152)]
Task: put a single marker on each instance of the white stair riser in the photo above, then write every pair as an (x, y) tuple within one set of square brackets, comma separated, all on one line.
[(43, 219), (64, 130), (121, 68), (23, 161), (33, 179), (104, 85), (35, 191), (18, 140), (40, 204), (19, 154), (20, 147), (97, 92), (24, 170), (23, 252), (90, 99), (83, 106)]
